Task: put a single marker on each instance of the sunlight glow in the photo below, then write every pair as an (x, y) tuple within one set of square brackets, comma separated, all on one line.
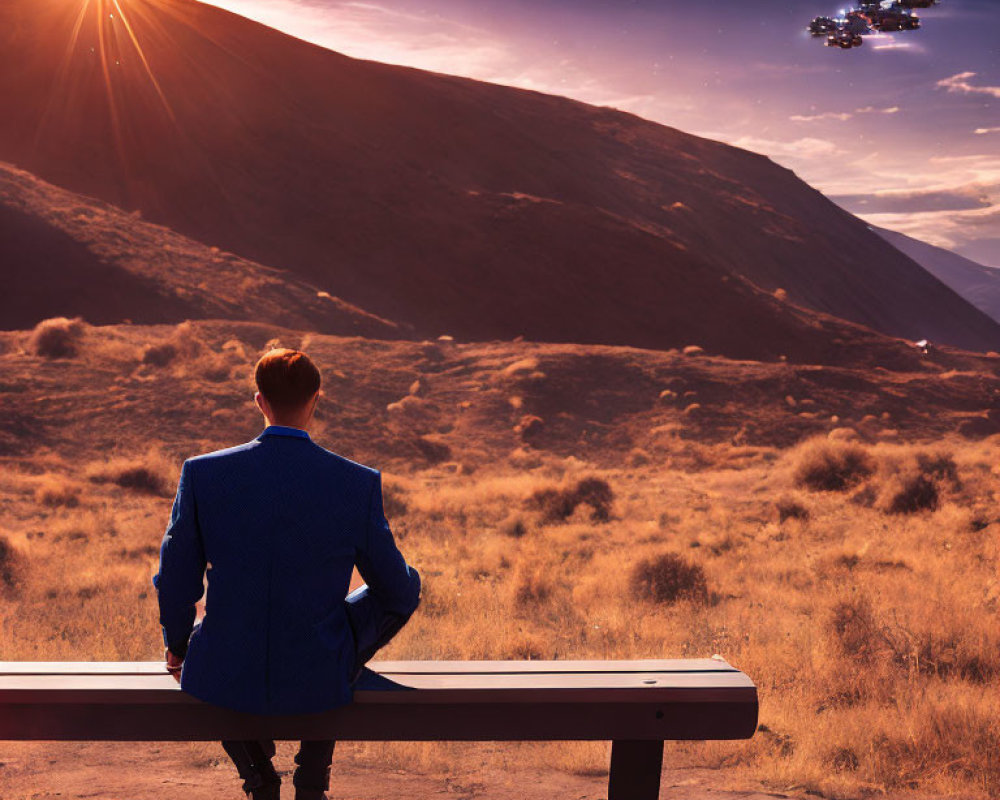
[(144, 60)]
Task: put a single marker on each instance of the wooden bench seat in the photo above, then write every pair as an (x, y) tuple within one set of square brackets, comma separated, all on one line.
[(635, 704)]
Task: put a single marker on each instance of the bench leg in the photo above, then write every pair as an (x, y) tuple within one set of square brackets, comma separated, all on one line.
[(635, 770)]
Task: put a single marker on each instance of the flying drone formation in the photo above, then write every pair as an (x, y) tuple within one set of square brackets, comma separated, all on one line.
[(846, 30)]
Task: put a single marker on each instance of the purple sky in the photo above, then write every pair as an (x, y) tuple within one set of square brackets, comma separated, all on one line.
[(903, 131)]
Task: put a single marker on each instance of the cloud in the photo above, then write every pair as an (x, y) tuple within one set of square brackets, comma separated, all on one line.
[(382, 33), (960, 83), (982, 131), (839, 116), (908, 202), (806, 147), (874, 110), (957, 230), (890, 44)]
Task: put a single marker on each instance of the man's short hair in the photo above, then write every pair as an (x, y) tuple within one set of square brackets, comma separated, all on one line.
[(287, 379)]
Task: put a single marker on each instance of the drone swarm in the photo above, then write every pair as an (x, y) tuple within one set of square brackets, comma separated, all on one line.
[(845, 31)]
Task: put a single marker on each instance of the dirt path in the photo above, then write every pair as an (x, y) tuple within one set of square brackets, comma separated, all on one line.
[(181, 771)]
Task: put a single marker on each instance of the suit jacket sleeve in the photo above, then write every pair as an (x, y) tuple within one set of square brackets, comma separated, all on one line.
[(389, 577), (180, 580)]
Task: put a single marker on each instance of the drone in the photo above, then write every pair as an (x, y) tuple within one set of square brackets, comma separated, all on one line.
[(845, 31)]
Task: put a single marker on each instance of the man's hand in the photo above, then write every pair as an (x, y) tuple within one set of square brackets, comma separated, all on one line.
[(173, 664)]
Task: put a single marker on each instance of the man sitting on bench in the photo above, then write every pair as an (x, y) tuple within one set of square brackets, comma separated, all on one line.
[(278, 524)]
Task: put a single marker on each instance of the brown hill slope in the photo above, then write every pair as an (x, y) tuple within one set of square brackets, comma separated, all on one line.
[(406, 403), (462, 207), (68, 255)]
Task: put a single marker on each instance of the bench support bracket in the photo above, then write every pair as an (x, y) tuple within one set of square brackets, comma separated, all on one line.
[(635, 770)]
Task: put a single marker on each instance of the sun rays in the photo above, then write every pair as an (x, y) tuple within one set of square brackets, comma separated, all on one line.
[(107, 36), (130, 31)]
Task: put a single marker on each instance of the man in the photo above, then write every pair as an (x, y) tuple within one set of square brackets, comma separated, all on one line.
[(278, 524)]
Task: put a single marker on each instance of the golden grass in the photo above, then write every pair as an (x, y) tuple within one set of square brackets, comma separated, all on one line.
[(874, 637)]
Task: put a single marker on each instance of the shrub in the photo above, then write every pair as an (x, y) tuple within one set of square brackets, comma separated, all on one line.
[(159, 355), (148, 474), (532, 588), (54, 491), (557, 505), (940, 466), (525, 648), (433, 451), (668, 578), (916, 493), (393, 500), (833, 466), (183, 343), (58, 337), (596, 493), (856, 630), (637, 457), (514, 527), (141, 478), (844, 759), (10, 566), (791, 509)]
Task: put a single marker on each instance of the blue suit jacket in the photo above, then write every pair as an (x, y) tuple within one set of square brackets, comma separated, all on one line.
[(279, 522)]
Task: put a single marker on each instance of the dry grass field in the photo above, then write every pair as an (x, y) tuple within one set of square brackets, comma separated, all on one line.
[(850, 569)]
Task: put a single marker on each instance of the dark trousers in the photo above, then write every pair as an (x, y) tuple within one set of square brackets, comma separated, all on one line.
[(373, 627)]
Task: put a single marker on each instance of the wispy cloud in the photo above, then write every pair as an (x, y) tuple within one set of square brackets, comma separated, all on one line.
[(907, 202), (874, 110), (960, 83), (806, 147), (841, 116), (888, 43), (983, 131)]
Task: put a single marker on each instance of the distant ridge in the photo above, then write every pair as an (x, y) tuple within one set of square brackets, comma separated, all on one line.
[(978, 284), (459, 206)]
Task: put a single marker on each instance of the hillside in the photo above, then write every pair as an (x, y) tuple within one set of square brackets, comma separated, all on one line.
[(461, 207), (69, 255), (406, 403), (978, 284)]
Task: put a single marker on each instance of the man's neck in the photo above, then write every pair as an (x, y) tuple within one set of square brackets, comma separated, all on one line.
[(284, 424)]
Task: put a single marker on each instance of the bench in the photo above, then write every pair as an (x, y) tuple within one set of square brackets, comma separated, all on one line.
[(637, 705)]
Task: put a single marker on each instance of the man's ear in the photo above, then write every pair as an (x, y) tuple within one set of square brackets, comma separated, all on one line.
[(259, 401)]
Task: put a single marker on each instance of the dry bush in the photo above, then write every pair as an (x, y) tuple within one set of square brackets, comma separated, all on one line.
[(558, 505), (532, 588), (183, 343), (962, 744), (435, 452), (57, 337), (843, 759), (11, 567), (855, 628), (938, 466), (915, 481), (668, 578), (832, 466), (525, 648), (637, 457), (393, 500), (916, 492), (148, 474), (944, 651), (54, 491), (514, 526), (159, 355), (789, 508)]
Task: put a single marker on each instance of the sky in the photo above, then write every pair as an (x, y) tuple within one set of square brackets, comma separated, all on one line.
[(903, 131)]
